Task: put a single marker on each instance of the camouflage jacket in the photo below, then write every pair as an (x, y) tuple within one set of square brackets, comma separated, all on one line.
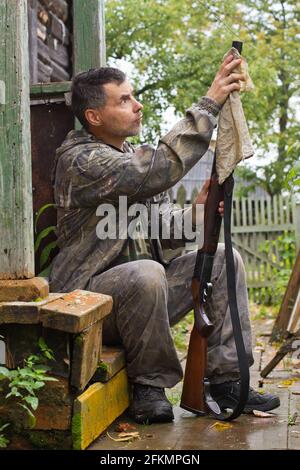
[(89, 173)]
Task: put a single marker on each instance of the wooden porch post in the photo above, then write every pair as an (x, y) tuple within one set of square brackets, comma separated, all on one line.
[(16, 227), (89, 35)]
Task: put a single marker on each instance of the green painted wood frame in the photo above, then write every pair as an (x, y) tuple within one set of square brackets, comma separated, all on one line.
[(16, 228)]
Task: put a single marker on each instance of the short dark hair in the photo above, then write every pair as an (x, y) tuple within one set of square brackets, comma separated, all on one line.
[(88, 92)]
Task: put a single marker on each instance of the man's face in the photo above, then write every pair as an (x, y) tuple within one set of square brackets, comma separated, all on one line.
[(122, 114)]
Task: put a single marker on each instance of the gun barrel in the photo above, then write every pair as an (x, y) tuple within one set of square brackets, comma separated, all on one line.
[(237, 45)]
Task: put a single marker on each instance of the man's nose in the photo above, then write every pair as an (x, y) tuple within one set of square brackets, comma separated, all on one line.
[(137, 106)]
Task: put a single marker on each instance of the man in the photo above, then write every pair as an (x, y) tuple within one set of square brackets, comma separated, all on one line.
[(96, 166)]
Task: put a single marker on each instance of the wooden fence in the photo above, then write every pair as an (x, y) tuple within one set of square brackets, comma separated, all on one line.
[(266, 231)]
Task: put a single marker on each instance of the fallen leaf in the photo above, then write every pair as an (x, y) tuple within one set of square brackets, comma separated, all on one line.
[(221, 426), (287, 383), (262, 414), (292, 419), (124, 436), (124, 427), (129, 434)]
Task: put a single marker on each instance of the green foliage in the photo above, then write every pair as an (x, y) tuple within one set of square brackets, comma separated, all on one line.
[(175, 48), (180, 332), (3, 440), (281, 269), (47, 250), (25, 381)]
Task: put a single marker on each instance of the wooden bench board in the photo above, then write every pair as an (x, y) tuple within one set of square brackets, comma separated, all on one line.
[(97, 408)]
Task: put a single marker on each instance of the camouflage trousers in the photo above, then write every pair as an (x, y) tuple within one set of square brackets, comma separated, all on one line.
[(149, 298)]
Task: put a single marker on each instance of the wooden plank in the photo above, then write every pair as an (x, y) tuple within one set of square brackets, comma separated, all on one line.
[(44, 72), (262, 211), (88, 35), (237, 212), (269, 211), (58, 73), (58, 52), (288, 301), (261, 228), (16, 240), (112, 361), (287, 347), (97, 408), (293, 325), (256, 212), (24, 312), (244, 212), (275, 209), (281, 211), (250, 211), (59, 30), (44, 90), (296, 221), (32, 28), (41, 31), (86, 355), (43, 52), (76, 311)]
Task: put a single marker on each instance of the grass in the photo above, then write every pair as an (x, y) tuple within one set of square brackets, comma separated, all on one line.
[(181, 332)]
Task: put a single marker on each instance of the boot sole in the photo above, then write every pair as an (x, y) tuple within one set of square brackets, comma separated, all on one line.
[(144, 419), (267, 406), (270, 405)]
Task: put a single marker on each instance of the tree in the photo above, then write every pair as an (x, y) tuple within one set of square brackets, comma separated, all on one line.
[(175, 48)]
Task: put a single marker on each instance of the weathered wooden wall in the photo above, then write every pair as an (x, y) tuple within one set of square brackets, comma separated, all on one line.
[(49, 40), (16, 234)]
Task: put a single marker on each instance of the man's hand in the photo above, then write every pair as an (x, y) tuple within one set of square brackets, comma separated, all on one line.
[(225, 81), (201, 199)]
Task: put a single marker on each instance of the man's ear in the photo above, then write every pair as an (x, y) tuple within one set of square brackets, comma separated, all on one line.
[(93, 117)]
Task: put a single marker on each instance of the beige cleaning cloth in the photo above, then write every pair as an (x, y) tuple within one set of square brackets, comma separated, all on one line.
[(233, 140)]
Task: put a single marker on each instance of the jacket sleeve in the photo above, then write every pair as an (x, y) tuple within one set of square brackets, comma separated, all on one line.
[(175, 224), (96, 176)]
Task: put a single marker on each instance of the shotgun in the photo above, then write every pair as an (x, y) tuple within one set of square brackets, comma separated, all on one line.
[(196, 395)]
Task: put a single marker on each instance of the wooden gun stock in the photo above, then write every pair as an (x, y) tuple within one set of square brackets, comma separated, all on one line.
[(193, 394)]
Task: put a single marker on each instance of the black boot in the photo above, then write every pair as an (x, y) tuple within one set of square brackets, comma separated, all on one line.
[(150, 405), (227, 395)]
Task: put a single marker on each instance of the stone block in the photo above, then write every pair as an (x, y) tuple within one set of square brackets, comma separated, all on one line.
[(55, 406)]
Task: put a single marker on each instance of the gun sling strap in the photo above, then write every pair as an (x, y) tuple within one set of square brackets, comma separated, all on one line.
[(232, 300), (204, 262)]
